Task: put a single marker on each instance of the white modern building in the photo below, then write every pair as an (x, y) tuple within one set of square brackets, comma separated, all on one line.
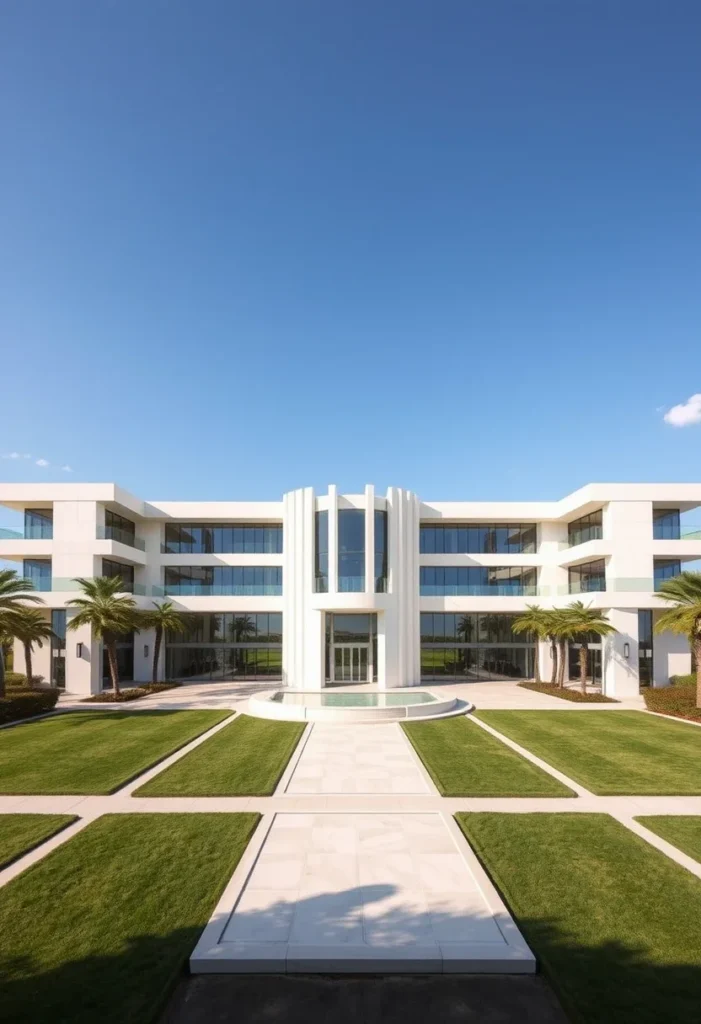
[(318, 589)]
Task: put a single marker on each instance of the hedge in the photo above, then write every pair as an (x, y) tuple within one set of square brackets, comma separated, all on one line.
[(689, 680), (677, 701), (134, 693), (18, 680), (27, 704), (565, 693)]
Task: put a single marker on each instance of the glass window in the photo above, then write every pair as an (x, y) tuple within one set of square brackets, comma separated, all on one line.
[(589, 527), (436, 581), (351, 549), (38, 523), (38, 570), (119, 528), (209, 538), (588, 577), (110, 569), (666, 569), (321, 552), (477, 538), (666, 524), (381, 564)]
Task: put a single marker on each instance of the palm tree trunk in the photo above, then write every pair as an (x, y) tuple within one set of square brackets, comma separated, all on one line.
[(112, 659), (536, 661), (28, 664), (697, 655), (156, 653), (561, 661), (583, 666), (2, 671), (553, 656)]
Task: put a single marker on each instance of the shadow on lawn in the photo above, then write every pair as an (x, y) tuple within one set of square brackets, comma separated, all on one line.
[(606, 984)]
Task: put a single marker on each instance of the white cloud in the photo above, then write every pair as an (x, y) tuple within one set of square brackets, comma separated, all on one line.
[(686, 413), (41, 462), (66, 469), (12, 455)]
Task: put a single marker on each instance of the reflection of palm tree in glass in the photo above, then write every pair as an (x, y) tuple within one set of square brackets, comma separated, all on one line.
[(243, 628), (465, 628), (491, 626)]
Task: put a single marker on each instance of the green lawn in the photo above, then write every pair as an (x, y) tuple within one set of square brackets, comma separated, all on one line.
[(93, 751), (20, 833), (615, 924), (246, 758), (681, 830), (464, 760), (100, 929), (609, 752)]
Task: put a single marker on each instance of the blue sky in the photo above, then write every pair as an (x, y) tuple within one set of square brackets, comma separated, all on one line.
[(252, 246)]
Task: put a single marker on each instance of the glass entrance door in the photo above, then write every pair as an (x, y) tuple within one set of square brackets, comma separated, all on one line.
[(351, 663)]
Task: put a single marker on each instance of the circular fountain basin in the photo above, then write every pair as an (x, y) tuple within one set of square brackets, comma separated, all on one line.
[(342, 706)]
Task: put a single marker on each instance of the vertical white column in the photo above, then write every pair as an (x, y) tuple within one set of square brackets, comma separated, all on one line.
[(628, 528), (369, 539), (671, 656), (302, 642), (402, 643), (620, 673)]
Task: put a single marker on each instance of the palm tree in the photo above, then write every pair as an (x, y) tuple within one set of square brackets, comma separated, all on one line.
[(243, 627), (685, 591), (107, 615), (536, 621), (30, 627), (561, 633), (13, 591), (582, 622), (163, 619)]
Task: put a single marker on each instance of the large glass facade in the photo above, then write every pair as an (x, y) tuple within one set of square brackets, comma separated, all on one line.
[(351, 550), (232, 538), (125, 661), (110, 568), (321, 552), (58, 648), (39, 523), (666, 524), (38, 570), (226, 645), (594, 662), (589, 527), (645, 646), (477, 580), (477, 538), (381, 561), (587, 577), (666, 569), (239, 580), (473, 646)]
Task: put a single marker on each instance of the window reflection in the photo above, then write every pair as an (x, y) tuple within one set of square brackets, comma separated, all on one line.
[(477, 580), (233, 538), (477, 538)]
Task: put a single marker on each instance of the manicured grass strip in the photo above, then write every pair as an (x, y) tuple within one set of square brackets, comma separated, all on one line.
[(615, 924), (247, 758), (20, 833), (100, 929), (681, 830), (464, 760), (93, 751), (609, 752)]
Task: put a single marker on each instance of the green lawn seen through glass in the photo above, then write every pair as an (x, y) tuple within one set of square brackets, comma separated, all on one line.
[(101, 928), (464, 760), (609, 752), (20, 833), (246, 758), (614, 923), (87, 752)]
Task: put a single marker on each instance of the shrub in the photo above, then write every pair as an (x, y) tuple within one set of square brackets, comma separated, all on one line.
[(134, 693), (677, 701), (565, 693), (26, 704), (18, 680), (689, 680)]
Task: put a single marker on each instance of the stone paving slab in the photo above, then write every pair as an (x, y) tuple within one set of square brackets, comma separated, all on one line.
[(360, 892), (353, 759)]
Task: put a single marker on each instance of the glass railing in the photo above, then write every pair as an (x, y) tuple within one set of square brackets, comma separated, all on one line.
[(122, 536), (688, 531), (321, 584), (351, 584), (67, 584), (219, 590), (585, 534), (381, 585), (496, 590), (28, 533), (586, 586)]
